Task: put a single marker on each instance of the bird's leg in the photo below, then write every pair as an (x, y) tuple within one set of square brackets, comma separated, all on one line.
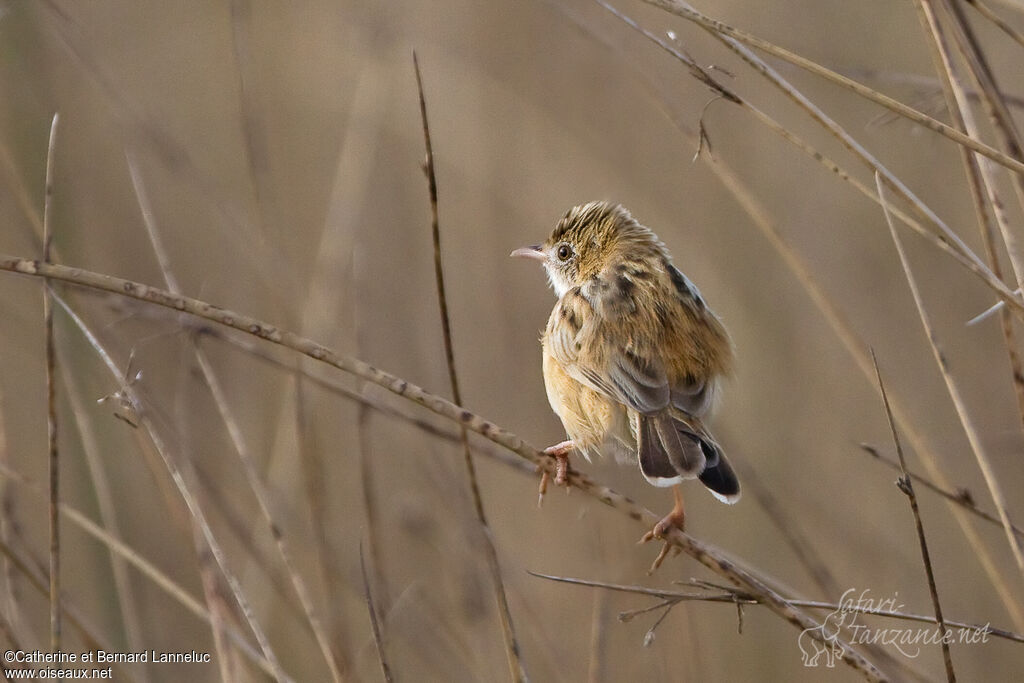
[(560, 452), (677, 519)]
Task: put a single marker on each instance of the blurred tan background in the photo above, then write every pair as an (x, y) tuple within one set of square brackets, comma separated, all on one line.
[(280, 145)]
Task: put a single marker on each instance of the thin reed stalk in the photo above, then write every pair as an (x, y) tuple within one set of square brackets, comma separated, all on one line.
[(51, 398), (378, 640), (517, 670)]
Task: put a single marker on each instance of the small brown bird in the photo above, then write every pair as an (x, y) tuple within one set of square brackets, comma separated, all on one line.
[(633, 356)]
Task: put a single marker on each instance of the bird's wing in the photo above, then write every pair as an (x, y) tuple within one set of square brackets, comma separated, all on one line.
[(582, 342), (694, 397)]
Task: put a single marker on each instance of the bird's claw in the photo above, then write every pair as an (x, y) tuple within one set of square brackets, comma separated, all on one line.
[(543, 489), (674, 520), (560, 452)]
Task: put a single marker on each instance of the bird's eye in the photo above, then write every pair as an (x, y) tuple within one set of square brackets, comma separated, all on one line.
[(564, 252)]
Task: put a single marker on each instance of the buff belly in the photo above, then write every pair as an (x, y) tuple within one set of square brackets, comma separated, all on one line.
[(592, 421)]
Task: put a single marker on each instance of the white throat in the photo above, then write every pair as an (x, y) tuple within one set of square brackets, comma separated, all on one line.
[(558, 281)]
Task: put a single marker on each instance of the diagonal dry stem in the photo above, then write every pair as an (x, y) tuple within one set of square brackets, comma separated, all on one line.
[(998, 21), (597, 659), (219, 610), (385, 668)]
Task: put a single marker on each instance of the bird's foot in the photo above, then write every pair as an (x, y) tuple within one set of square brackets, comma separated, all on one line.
[(560, 452), (673, 520)]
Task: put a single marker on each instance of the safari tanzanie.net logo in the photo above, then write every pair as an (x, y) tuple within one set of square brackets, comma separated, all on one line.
[(824, 644)]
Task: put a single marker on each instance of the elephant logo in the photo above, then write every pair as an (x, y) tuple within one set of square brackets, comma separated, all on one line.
[(822, 639)]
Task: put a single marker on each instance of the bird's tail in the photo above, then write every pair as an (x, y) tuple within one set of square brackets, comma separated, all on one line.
[(718, 474), (672, 448)]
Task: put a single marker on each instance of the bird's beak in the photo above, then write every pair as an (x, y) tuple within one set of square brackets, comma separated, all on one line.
[(533, 251)]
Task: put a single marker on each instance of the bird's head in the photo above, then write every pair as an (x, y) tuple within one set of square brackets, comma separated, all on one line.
[(587, 240)]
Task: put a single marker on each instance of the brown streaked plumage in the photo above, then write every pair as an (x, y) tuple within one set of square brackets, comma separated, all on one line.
[(633, 356)]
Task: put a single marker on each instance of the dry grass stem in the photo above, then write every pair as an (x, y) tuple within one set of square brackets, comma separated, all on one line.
[(315, 483), (219, 610), (512, 651), (596, 669), (363, 399), (240, 525), (906, 485), (706, 554), (370, 501), (252, 122), (998, 21), (51, 398), (972, 435), (378, 640), (927, 86)]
